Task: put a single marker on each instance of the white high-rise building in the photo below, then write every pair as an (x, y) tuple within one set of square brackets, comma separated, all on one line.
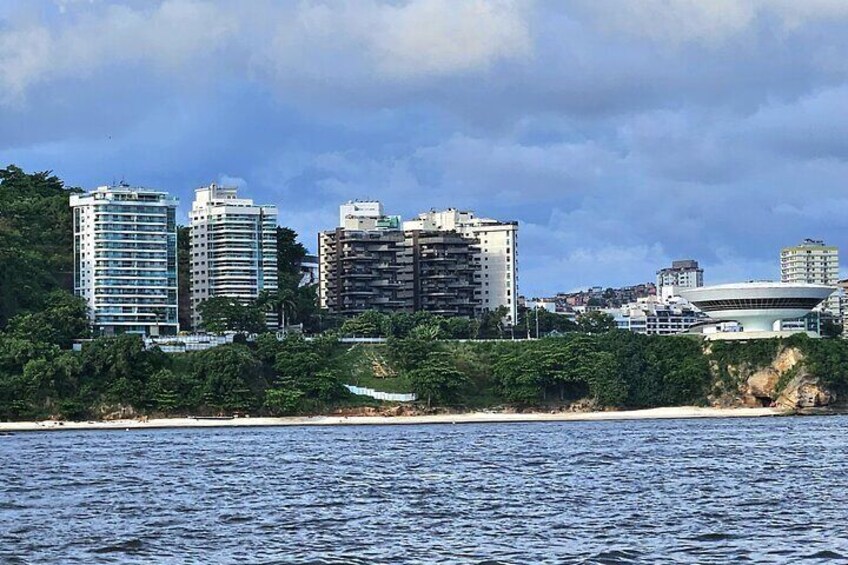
[(498, 256), (125, 259), (812, 262), (233, 247)]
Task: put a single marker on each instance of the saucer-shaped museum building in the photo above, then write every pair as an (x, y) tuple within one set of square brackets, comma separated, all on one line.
[(757, 305)]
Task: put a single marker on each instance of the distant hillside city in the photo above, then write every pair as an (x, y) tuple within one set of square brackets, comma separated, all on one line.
[(233, 269)]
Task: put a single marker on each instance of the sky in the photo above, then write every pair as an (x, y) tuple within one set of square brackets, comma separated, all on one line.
[(620, 134)]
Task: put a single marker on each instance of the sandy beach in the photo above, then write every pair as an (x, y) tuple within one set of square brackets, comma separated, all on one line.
[(469, 418)]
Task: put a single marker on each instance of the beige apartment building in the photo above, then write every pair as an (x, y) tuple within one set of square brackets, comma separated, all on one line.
[(813, 262)]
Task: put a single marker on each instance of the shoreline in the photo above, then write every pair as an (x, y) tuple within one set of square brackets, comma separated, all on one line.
[(669, 413)]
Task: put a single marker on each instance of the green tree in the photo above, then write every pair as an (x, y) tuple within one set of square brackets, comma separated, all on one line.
[(49, 380), (458, 328), (267, 347), (283, 401), (306, 310), (297, 361), (299, 303), (438, 379), (169, 391), (290, 256), (36, 239), (184, 276), (367, 324), (221, 314), (595, 322), (493, 323), (118, 369), (410, 353), (230, 378), (548, 322), (62, 318)]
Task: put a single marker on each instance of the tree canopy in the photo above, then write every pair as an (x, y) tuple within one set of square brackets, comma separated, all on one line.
[(36, 239)]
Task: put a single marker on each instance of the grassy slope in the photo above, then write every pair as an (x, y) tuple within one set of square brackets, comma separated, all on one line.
[(359, 365), (368, 366)]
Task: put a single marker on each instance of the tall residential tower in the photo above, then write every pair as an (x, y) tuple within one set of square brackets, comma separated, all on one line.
[(813, 262), (233, 247), (125, 259)]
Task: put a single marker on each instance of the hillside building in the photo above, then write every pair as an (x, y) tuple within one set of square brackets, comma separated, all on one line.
[(813, 262), (233, 248), (125, 259), (683, 274), (497, 244), (391, 270)]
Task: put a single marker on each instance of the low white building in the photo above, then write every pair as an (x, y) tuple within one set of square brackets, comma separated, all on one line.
[(359, 209), (651, 317), (548, 304)]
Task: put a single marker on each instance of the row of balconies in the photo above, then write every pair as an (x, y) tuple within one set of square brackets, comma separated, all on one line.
[(134, 246)]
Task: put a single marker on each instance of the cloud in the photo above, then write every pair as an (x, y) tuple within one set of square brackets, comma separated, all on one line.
[(169, 37), (407, 40), (24, 54), (621, 134), (708, 23), (428, 37)]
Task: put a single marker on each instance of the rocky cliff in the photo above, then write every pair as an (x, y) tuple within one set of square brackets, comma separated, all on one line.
[(785, 382)]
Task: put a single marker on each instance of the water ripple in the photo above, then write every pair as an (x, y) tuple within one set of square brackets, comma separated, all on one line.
[(718, 491)]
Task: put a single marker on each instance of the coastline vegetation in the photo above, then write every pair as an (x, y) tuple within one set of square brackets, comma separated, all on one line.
[(447, 362)]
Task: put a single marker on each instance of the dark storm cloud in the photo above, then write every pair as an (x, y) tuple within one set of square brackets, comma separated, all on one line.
[(621, 134)]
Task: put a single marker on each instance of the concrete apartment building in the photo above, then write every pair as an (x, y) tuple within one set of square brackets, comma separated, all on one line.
[(362, 270), (497, 243), (813, 262), (391, 270), (125, 259), (233, 247), (682, 274)]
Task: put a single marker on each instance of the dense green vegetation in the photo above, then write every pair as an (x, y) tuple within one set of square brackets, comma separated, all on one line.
[(36, 240), (184, 275)]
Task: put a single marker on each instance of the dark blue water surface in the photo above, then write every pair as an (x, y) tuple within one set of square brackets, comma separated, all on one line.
[(687, 491)]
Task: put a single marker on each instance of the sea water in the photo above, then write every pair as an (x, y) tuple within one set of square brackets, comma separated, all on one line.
[(768, 490)]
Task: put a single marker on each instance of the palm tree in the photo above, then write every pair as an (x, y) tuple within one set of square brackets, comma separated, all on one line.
[(286, 302)]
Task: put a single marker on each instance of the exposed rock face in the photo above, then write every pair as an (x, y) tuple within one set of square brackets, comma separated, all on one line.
[(787, 359), (762, 384), (805, 391), (760, 388)]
